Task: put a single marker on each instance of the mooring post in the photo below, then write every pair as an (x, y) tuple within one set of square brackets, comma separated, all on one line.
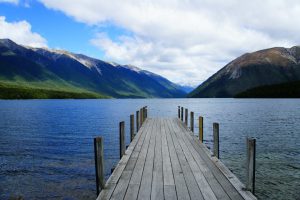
[(251, 154), (131, 127), (141, 117), (186, 117), (137, 121), (179, 112), (192, 121), (99, 164), (122, 138), (146, 112), (143, 114), (201, 129), (216, 139)]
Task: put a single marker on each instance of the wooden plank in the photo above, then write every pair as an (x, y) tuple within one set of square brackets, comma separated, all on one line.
[(139, 167), (139, 145), (133, 159), (227, 173), (137, 172), (157, 191), (214, 184), (181, 188), (167, 167), (170, 192), (132, 189), (236, 183), (115, 176), (131, 163), (191, 183), (221, 178), (121, 187), (239, 186), (145, 187), (169, 183), (205, 188)]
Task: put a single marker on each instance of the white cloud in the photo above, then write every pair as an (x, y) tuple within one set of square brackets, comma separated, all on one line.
[(186, 40), (21, 33), (10, 1)]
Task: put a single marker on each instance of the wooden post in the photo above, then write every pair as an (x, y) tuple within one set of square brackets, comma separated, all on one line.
[(251, 154), (141, 117), (99, 164), (186, 117), (137, 121), (192, 121), (146, 112), (131, 127), (179, 112), (143, 113), (216, 139), (201, 129), (122, 138)]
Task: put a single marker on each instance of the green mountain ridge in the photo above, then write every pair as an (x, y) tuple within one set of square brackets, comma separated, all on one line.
[(15, 91), (57, 70)]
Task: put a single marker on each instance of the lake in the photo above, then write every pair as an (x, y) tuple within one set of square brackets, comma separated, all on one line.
[(46, 146)]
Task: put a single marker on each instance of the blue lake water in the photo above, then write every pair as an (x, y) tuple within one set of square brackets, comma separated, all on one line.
[(46, 146)]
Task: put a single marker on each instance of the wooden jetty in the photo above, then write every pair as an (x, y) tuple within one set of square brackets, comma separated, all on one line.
[(165, 160)]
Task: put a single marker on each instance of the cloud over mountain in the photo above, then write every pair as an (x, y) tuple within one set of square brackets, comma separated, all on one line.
[(21, 32), (187, 41)]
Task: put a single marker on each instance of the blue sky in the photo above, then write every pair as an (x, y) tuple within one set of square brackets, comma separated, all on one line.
[(59, 30), (184, 41)]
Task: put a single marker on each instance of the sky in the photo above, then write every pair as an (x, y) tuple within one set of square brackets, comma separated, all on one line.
[(185, 41)]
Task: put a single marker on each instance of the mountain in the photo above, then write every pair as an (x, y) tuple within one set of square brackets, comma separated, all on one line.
[(186, 88), (265, 67), (283, 90), (45, 70)]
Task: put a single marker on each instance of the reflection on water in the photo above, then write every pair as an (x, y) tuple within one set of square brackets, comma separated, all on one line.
[(46, 146)]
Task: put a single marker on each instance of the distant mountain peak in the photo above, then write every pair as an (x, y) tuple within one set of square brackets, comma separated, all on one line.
[(113, 64), (133, 68), (58, 53), (10, 44), (7, 41), (264, 67)]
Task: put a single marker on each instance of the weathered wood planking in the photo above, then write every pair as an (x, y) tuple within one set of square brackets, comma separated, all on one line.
[(165, 161)]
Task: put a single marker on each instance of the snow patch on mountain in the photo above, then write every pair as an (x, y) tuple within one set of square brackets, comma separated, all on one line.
[(236, 73)]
